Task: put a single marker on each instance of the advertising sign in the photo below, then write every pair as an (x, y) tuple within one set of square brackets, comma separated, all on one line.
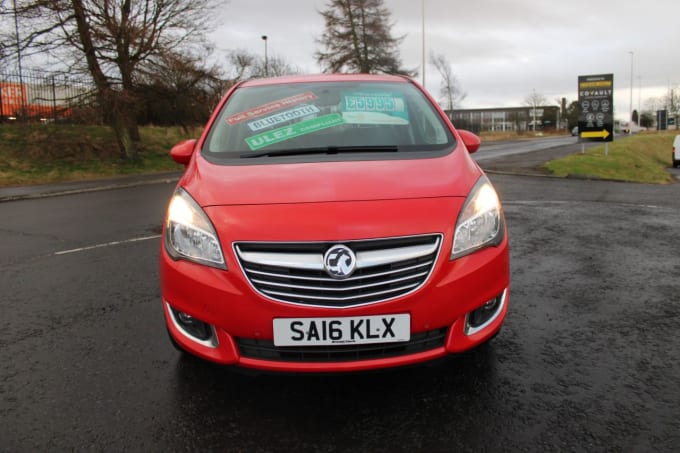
[(596, 107), (12, 97)]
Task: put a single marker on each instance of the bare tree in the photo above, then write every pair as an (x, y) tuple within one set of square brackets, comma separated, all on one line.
[(179, 89), (241, 63), (4, 51), (671, 102), (534, 100), (358, 38), (276, 66), (112, 39), (449, 88), (245, 65)]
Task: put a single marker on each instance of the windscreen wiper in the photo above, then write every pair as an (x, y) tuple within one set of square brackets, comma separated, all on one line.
[(324, 150)]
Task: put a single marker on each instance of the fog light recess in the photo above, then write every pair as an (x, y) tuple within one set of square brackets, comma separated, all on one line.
[(480, 318), (193, 328)]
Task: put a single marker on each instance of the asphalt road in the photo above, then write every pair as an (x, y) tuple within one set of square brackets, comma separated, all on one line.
[(526, 156), (589, 358), (506, 148)]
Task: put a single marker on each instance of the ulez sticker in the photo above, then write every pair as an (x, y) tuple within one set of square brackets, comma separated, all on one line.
[(294, 130)]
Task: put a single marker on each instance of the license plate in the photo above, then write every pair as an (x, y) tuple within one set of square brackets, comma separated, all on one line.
[(342, 331)]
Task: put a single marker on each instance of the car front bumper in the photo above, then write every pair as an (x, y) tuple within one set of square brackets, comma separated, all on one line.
[(241, 320)]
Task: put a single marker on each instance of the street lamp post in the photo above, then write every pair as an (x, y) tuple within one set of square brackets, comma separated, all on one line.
[(630, 128), (533, 102), (639, 98), (424, 63), (266, 62)]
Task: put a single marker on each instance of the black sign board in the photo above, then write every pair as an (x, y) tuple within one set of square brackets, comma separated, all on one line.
[(661, 120), (596, 107)]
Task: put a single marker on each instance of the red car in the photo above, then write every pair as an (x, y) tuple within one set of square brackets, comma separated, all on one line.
[(332, 223)]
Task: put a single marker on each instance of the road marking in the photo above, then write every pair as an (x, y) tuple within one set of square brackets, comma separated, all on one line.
[(580, 202), (107, 244)]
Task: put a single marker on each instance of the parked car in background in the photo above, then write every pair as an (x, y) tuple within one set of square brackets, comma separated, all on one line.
[(574, 131), (332, 223), (675, 156)]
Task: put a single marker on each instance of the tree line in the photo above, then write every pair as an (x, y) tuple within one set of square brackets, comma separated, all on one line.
[(146, 58)]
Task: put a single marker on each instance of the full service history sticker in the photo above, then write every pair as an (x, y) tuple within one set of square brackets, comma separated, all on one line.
[(295, 130), (270, 108)]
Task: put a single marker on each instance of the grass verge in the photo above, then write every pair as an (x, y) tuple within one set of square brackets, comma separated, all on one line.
[(37, 154), (644, 157)]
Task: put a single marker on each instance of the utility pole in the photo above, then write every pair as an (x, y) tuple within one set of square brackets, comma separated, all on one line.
[(673, 108), (639, 96), (630, 127), (534, 104)]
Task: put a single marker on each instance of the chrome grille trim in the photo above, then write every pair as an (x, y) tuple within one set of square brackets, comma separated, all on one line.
[(347, 288), (309, 261), (301, 261), (294, 272), (335, 298), (379, 258), (328, 279)]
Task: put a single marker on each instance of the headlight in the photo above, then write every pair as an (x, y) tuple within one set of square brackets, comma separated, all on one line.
[(480, 223), (189, 234)]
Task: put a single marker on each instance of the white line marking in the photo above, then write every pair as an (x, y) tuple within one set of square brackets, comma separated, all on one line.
[(107, 244), (559, 202)]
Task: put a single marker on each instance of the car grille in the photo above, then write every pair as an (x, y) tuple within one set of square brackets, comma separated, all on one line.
[(265, 350), (295, 273)]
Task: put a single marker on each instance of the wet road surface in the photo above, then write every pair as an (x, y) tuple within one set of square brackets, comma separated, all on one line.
[(588, 360), (508, 148)]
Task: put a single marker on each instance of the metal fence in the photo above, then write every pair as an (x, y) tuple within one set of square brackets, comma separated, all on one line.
[(47, 98)]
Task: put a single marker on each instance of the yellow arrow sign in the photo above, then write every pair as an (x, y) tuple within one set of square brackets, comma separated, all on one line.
[(604, 133)]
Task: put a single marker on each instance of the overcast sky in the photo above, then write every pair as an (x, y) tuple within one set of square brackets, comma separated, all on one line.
[(500, 50)]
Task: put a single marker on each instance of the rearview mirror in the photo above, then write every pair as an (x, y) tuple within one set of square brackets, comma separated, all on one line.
[(182, 152), (470, 140)]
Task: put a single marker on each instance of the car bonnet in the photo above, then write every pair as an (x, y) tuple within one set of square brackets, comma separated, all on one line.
[(313, 182)]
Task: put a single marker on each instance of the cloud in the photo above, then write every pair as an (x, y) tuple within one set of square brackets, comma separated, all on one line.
[(500, 50)]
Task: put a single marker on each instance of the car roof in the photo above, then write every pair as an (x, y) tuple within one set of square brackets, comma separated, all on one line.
[(327, 78)]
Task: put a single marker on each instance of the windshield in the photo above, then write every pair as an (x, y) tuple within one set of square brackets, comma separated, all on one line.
[(331, 117)]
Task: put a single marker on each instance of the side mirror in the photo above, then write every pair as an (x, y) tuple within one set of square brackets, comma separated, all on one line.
[(182, 152), (470, 140)]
